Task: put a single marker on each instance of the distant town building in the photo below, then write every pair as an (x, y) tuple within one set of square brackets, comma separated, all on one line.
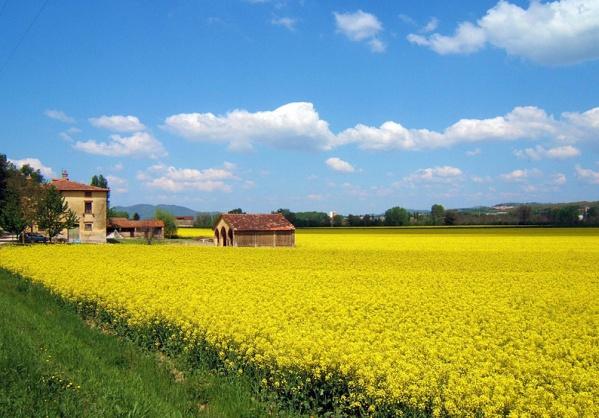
[(89, 204), (127, 228), (184, 221), (247, 230)]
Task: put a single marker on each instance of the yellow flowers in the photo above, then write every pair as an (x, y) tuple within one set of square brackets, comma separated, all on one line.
[(194, 232), (457, 322)]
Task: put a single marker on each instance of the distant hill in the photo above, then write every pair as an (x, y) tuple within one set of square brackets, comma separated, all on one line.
[(147, 211)]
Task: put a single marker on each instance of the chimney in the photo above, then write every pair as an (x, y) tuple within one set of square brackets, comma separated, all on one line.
[(65, 175)]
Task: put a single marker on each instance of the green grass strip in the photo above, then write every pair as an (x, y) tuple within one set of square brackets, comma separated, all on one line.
[(54, 364)]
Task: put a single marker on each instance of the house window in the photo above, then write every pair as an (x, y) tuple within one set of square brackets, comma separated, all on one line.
[(88, 227), (88, 194), (88, 207)]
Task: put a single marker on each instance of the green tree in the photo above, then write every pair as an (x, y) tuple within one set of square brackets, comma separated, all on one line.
[(53, 212), (592, 216), (170, 227), (4, 173), (451, 217), (290, 216), (354, 220), (524, 214), (204, 220), (70, 221), (437, 214), (338, 220), (136, 216), (101, 181), (236, 211), (396, 216), (113, 213), (12, 218), (33, 174), (20, 191), (567, 215)]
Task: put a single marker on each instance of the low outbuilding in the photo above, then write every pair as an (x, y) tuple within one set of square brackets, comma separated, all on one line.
[(184, 221), (127, 228), (254, 230)]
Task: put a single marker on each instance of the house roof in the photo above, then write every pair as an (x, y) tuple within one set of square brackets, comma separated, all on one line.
[(257, 222), (184, 218), (128, 223), (68, 185)]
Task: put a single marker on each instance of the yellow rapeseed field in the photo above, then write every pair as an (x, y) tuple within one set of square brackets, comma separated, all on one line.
[(448, 322), (194, 232)]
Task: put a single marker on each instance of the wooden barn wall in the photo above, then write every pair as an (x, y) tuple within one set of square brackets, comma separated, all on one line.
[(265, 239)]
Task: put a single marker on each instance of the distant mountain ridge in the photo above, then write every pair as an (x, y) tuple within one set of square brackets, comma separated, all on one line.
[(146, 211)]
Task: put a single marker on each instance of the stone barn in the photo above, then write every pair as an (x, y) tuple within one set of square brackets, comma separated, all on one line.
[(245, 230)]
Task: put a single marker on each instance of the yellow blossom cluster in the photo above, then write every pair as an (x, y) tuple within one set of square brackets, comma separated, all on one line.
[(375, 321), (194, 232)]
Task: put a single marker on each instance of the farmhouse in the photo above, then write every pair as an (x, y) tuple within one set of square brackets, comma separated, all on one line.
[(150, 228), (244, 230), (89, 204)]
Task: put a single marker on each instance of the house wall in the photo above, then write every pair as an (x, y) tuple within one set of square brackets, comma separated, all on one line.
[(97, 218)]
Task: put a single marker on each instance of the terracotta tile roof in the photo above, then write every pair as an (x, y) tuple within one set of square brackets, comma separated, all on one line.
[(248, 222), (184, 218), (128, 223), (68, 185)]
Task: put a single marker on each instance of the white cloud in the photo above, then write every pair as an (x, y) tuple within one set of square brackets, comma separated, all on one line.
[(481, 179), (338, 164), (294, 125), (557, 32), (174, 180), (473, 153), (406, 19), (539, 152), (431, 25), (139, 144), (467, 38), (521, 175), (59, 115), (360, 27), (36, 164), (299, 126), (249, 184), (286, 22), (441, 174), (314, 197), (521, 123), (558, 179), (118, 123), (588, 175), (69, 134), (117, 184)]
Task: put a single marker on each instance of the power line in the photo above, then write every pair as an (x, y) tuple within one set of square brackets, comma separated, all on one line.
[(22, 38)]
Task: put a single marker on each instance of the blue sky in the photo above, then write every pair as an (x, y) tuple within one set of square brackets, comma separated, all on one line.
[(350, 106)]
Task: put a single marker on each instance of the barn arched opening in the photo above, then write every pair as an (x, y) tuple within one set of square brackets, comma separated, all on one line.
[(223, 234)]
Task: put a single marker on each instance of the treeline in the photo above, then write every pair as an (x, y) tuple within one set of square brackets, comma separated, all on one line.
[(395, 216), (28, 202), (557, 215)]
